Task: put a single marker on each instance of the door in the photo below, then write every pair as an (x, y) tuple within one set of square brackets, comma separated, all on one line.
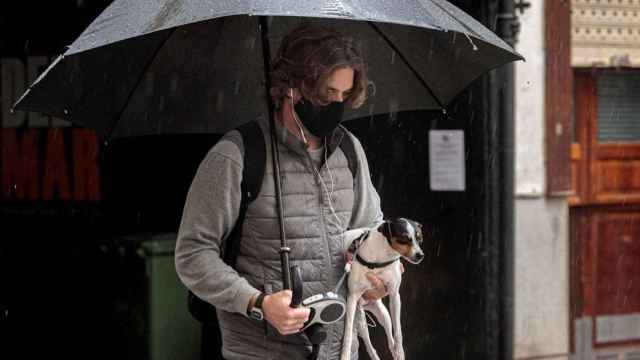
[(605, 212)]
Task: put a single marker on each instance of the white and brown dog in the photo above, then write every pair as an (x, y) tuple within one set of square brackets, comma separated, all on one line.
[(379, 250)]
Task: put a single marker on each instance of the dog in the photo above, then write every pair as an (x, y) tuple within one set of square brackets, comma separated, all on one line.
[(379, 250)]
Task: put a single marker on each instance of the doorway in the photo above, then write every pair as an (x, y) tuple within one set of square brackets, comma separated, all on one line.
[(605, 214)]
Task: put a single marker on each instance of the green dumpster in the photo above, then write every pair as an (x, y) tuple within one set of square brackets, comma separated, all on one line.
[(173, 333)]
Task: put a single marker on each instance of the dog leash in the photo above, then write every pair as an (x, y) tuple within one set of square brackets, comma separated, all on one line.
[(347, 267)]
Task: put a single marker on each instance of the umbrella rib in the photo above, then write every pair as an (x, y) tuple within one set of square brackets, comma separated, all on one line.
[(469, 29), (133, 89), (406, 62)]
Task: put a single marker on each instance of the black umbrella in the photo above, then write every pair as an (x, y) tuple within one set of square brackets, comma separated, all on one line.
[(169, 66), (175, 66)]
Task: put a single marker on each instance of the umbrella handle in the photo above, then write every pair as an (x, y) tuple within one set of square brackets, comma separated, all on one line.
[(296, 280)]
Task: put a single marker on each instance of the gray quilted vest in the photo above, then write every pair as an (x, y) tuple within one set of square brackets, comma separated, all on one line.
[(313, 234)]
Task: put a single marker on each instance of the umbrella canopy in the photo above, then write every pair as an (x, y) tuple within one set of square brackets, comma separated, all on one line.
[(180, 66)]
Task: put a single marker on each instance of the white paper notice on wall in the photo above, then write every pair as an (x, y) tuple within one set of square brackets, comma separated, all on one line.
[(446, 160)]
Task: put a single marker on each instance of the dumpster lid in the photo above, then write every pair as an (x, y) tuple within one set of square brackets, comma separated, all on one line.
[(160, 244)]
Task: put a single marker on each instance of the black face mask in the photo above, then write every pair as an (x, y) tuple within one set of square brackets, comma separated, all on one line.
[(321, 121)]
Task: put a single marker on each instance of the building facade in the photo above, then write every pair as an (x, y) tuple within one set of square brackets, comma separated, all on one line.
[(577, 181)]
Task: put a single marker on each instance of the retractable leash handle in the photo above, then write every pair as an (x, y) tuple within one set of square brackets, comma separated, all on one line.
[(316, 332)]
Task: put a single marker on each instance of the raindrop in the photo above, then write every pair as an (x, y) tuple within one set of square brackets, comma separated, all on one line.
[(475, 48), (456, 55), (372, 88), (220, 102), (251, 43), (393, 57), (393, 109), (149, 83), (161, 102), (65, 111), (174, 83), (12, 111)]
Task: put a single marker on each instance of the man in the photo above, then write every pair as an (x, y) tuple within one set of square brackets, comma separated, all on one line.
[(316, 73)]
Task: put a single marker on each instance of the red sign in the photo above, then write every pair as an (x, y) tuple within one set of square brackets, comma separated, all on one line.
[(43, 158)]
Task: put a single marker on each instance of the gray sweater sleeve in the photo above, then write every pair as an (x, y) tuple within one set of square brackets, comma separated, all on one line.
[(366, 208), (210, 212)]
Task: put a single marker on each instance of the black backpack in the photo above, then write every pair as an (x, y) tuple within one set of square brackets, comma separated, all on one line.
[(252, 175)]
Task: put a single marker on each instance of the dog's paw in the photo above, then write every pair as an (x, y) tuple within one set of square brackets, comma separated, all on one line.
[(398, 352)]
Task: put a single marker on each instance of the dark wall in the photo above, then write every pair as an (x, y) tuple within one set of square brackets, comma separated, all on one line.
[(442, 296)]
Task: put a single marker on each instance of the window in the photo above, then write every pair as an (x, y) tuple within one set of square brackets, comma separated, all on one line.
[(618, 106)]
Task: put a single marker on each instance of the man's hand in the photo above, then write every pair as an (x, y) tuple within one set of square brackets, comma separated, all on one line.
[(279, 313), (379, 288)]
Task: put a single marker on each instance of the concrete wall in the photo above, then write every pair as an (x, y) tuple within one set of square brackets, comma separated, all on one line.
[(529, 104), (541, 223), (541, 278)]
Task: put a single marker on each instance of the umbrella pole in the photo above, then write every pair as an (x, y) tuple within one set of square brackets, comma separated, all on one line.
[(275, 158)]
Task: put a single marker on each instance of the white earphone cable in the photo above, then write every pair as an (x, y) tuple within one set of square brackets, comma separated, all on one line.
[(328, 193)]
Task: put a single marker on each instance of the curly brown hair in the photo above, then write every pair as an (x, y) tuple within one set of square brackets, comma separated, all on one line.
[(308, 55)]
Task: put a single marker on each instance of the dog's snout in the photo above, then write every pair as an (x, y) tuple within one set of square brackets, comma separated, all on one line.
[(416, 258)]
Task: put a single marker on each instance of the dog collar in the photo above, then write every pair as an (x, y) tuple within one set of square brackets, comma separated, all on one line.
[(372, 265)]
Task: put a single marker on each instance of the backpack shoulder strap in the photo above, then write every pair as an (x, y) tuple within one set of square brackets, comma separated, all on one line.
[(253, 168), (349, 150), (255, 157)]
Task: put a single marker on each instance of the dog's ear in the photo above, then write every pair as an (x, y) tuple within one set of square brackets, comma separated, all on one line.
[(395, 230), (416, 225), (419, 233), (404, 233)]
